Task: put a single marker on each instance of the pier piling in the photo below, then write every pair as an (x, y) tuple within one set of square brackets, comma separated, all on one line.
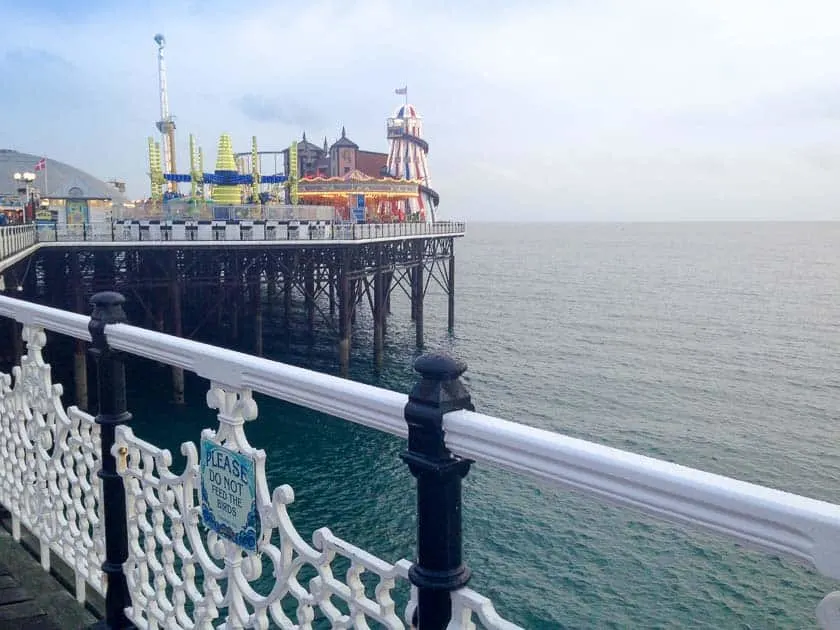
[(177, 327), (345, 308), (378, 310), (80, 353), (450, 288), (418, 291)]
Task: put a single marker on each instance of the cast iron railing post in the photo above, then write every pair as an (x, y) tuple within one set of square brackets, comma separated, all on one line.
[(439, 568), (111, 395)]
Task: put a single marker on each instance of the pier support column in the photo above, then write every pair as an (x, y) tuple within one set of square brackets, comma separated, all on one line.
[(79, 354), (257, 308), (417, 296), (378, 310), (287, 295), (345, 301), (271, 281), (80, 372), (331, 288), (451, 287), (354, 291), (412, 280), (177, 328), (236, 302), (389, 280), (309, 296)]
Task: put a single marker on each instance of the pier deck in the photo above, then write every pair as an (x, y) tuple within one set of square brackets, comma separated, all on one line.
[(31, 598)]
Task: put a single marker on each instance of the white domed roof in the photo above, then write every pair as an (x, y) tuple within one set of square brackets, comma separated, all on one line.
[(60, 177)]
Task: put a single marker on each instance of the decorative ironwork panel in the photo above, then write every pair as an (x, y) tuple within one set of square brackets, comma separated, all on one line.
[(182, 574), (468, 607), (49, 459)]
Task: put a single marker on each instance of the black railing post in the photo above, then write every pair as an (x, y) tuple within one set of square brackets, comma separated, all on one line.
[(111, 395), (439, 568)]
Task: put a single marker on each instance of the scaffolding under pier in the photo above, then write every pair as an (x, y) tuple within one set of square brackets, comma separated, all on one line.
[(216, 290)]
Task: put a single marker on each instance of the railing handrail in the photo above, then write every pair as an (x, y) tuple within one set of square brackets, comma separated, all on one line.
[(774, 520), (246, 231)]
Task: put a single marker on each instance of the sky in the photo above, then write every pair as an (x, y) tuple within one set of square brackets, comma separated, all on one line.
[(601, 110)]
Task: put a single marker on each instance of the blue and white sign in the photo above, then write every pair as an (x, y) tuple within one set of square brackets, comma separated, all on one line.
[(359, 210), (229, 495)]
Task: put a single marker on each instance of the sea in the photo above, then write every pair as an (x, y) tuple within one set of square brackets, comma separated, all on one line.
[(714, 345)]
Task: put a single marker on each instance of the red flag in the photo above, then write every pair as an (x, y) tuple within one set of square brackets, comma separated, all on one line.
[(41, 165)]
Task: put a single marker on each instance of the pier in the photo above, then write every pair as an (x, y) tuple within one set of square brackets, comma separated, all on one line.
[(193, 278), (146, 536)]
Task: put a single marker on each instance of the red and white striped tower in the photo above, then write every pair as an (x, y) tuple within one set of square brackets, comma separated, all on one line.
[(407, 159)]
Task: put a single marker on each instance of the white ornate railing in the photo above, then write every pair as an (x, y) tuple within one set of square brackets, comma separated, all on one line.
[(15, 238), (270, 230), (49, 459), (182, 576)]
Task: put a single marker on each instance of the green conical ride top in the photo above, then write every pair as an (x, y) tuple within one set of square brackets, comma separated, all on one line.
[(226, 195)]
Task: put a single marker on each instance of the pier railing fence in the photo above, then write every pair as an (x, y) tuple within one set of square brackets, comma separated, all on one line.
[(183, 549), (15, 238), (269, 230)]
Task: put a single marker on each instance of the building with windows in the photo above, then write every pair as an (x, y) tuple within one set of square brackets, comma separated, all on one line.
[(59, 192), (342, 157)]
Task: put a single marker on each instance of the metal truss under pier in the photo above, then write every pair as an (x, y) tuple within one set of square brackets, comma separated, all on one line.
[(193, 289)]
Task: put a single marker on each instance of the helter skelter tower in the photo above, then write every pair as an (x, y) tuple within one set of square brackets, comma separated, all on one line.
[(407, 159), (166, 124)]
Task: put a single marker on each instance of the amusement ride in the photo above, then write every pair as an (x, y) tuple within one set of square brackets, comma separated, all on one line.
[(398, 191)]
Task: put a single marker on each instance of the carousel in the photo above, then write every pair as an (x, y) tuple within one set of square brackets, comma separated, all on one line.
[(359, 197)]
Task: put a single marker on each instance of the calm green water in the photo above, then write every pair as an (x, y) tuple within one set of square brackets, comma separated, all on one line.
[(713, 345)]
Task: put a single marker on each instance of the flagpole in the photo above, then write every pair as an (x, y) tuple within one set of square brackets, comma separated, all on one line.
[(46, 180)]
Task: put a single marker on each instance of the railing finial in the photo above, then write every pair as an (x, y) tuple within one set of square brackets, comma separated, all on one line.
[(439, 569), (107, 309)]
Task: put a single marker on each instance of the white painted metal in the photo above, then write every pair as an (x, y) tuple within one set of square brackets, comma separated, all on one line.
[(28, 313), (371, 406), (182, 576), (770, 519), (49, 458), (776, 521), (226, 571), (16, 238)]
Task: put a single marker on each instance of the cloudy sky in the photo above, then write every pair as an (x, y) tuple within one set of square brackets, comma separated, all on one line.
[(535, 110)]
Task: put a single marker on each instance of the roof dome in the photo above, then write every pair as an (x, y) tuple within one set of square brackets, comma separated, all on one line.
[(60, 178), (406, 111)]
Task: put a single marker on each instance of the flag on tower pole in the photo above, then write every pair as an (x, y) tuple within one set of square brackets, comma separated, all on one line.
[(401, 91), (42, 166)]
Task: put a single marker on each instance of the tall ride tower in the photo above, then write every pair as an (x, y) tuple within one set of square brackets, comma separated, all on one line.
[(166, 124), (407, 159)]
